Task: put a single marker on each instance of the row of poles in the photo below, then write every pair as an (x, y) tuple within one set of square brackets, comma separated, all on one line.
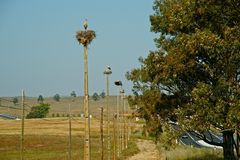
[(120, 136), (85, 37)]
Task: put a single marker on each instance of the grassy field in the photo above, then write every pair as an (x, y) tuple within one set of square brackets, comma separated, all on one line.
[(189, 153), (61, 107), (47, 139)]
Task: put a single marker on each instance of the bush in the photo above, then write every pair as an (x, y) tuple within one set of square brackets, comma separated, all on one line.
[(95, 96), (56, 97), (39, 111), (15, 100)]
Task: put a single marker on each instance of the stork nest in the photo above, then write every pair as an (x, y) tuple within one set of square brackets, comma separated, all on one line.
[(85, 37)]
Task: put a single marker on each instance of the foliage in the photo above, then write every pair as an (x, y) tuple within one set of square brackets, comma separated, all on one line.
[(39, 111), (95, 96), (193, 77), (40, 99), (103, 94), (57, 97), (73, 94), (15, 100)]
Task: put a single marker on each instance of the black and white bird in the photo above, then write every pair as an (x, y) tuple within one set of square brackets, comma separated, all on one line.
[(85, 24), (108, 67)]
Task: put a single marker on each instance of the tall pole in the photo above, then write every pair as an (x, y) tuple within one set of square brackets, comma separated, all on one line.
[(119, 85), (118, 128), (85, 38), (114, 137), (107, 72), (101, 133), (22, 134), (70, 133), (124, 118), (86, 109), (108, 130)]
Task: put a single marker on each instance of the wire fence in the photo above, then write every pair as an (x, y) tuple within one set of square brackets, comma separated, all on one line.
[(49, 138)]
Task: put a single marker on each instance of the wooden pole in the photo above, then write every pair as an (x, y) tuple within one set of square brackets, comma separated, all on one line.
[(87, 149), (117, 124), (101, 133), (108, 130), (124, 118), (22, 125), (70, 133), (114, 138)]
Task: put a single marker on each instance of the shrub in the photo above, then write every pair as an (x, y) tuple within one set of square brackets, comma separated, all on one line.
[(39, 111)]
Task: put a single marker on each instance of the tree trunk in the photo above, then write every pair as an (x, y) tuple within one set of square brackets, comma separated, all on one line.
[(228, 145)]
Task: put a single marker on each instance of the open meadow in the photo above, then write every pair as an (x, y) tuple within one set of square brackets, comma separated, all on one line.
[(60, 108), (48, 139)]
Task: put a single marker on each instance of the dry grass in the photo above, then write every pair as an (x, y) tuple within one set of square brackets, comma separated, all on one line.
[(61, 107), (48, 139)]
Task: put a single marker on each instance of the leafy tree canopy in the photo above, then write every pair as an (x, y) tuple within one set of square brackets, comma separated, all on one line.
[(39, 111), (193, 76), (102, 94), (57, 97), (15, 100), (95, 96), (73, 94), (40, 99)]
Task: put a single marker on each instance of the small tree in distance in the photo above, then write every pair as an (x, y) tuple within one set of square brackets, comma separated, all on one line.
[(73, 94), (57, 97), (39, 111), (15, 100), (103, 94), (95, 96), (40, 99)]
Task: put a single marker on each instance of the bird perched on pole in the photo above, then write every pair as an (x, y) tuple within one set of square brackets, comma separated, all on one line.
[(85, 24)]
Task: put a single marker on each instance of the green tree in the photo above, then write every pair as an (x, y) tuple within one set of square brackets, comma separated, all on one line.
[(15, 100), (95, 96), (57, 97), (195, 71), (39, 111), (40, 99), (102, 94), (73, 94)]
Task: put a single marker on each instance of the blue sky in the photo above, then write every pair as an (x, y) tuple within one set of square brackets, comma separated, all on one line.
[(39, 52)]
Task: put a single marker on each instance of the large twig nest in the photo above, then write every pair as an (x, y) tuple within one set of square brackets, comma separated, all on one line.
[(85, 37)]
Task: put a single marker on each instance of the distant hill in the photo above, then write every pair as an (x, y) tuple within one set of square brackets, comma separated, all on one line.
[(61, 107)]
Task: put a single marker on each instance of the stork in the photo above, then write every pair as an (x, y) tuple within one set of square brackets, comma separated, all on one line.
[(85, 24)]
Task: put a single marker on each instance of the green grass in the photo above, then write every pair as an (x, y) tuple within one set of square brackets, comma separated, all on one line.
[(131, 150), (188, 153)]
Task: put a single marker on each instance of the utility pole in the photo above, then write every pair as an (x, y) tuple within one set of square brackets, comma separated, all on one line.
[(70, 133), (85, 37), (108, 72), (125, 125), (22, 134), (114, 137), (119, 85), (101, 132)]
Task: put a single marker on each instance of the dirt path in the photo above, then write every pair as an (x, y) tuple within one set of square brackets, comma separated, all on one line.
[(148, 151)]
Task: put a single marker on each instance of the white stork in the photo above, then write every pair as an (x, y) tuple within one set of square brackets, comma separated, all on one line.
[(85, 24)]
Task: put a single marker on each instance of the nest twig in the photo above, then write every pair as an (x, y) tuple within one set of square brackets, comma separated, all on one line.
[(85, 37)]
